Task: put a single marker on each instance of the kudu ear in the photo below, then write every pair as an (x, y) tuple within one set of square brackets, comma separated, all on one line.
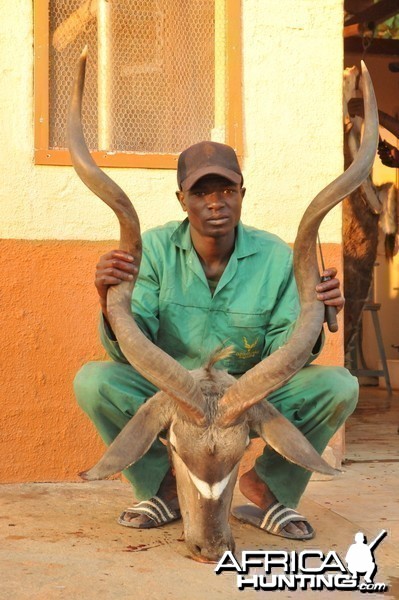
[(135, 438), (286, 439)]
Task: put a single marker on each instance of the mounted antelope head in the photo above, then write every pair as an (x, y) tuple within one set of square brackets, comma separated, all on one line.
[(208, 413)]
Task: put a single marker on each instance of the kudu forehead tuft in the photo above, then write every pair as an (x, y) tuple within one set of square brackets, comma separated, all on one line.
[(218, 355)]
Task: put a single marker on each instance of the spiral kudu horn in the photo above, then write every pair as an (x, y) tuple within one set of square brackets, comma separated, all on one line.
[(279, 367), (149, 360)]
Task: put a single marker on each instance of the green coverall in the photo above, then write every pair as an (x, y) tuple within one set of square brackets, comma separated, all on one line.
[(254, 308)]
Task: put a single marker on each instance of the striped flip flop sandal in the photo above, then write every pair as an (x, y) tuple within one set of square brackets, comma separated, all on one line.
[(273, 520), (155, 508)]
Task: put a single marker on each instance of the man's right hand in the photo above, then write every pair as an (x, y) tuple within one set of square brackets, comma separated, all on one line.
[(113, 268)]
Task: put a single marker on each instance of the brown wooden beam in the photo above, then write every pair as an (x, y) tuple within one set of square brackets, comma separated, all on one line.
[(377, 13)]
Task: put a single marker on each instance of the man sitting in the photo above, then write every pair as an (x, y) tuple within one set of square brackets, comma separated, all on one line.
[(206, 281)]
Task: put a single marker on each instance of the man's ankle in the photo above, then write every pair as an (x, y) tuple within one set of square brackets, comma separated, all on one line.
[(256, 490)]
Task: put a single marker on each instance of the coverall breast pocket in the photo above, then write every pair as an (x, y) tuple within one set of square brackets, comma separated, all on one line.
[(247, 336)]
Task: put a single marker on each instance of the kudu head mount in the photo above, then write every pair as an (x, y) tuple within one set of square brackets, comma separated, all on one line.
[(207, 412)]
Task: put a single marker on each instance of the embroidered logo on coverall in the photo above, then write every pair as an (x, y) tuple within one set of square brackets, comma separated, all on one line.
[(251, 350)]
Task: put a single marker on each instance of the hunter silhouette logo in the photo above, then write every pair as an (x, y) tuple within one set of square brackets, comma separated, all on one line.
[(360, 558), (251, 349), (307, 570)]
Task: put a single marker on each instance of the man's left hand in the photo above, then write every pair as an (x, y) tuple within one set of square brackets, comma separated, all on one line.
[(329, 291)]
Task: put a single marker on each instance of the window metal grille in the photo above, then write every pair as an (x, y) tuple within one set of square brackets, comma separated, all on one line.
[(157, 78)]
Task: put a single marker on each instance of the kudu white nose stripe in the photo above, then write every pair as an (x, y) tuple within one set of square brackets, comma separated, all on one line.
[(208, 491)]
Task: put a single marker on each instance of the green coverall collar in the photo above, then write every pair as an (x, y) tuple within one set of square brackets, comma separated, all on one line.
[(244, 246)]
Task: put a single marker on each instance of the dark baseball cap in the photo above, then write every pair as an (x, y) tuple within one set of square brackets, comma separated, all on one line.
[(207, 158)]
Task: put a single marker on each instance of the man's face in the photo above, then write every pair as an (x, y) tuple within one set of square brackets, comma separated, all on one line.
[(213, 205)]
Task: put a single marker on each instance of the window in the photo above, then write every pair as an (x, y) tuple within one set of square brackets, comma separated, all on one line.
[(161, 75)]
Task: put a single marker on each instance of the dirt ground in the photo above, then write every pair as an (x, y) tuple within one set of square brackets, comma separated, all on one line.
[(62, 541)]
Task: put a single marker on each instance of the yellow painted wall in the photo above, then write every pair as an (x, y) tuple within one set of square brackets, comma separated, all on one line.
[(292, 63), (53, 229)]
